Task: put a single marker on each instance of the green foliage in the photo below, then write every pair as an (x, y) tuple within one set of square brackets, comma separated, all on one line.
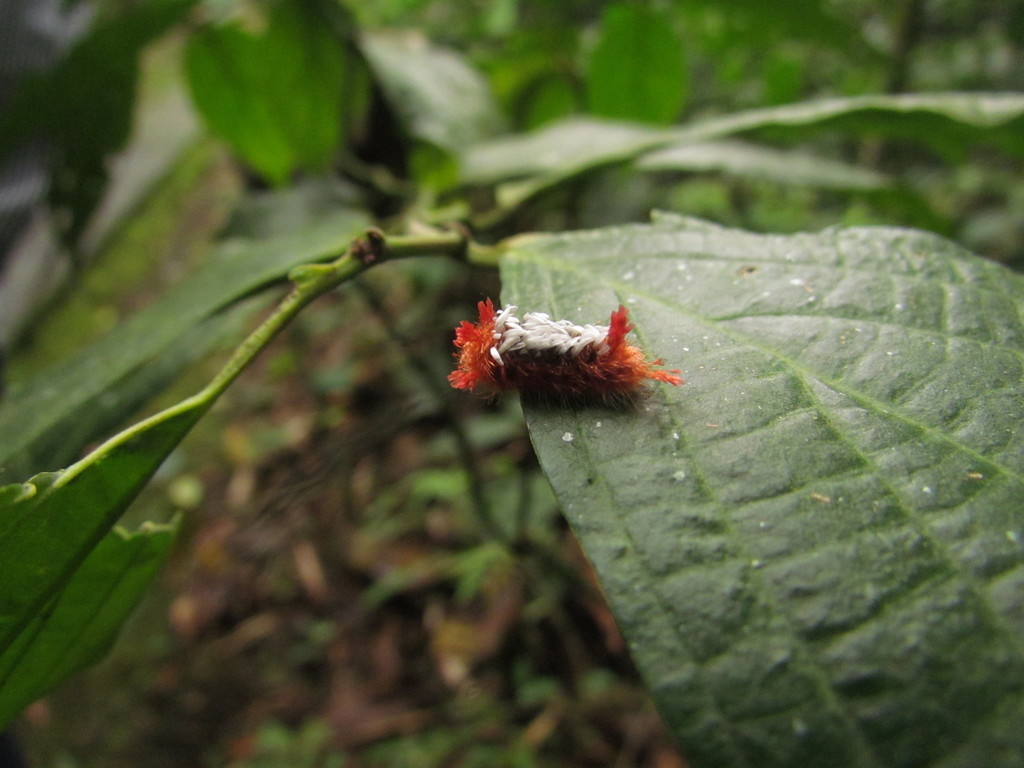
[(813, 548), (79, 625), (815, 545), (637, 70), (555, 154), (276, 95)]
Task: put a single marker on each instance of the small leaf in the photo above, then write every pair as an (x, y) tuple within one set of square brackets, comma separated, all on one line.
[(83, 621), (816, 547), (277, 96), (637, 71)]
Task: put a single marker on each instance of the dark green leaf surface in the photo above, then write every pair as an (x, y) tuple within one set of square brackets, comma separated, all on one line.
[(276, 97), (816, 547), (637, 70), (84, 620), (44, 422)]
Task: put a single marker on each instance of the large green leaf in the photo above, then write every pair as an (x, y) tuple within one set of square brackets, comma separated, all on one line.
[(816, 547), (637, 70), (82, 623), (278, 95), (44, 422)]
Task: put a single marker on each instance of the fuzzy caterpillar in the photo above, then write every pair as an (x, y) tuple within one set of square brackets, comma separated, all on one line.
[(538, 355)]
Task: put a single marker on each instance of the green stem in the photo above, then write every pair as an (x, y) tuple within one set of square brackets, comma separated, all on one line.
[(310, 282)]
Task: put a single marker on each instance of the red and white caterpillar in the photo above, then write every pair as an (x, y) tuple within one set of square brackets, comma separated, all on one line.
[(539, 355)]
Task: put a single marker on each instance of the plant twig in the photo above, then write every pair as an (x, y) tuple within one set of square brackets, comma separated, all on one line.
[(310, 281)]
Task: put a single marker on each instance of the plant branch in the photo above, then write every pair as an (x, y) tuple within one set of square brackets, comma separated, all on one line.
[(310, 281)]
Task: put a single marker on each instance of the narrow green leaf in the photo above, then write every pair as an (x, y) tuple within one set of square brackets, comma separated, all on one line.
[(275, 96), (83, 621), (45, 421), (745, 160), (815, 548), (568, 146), (637, 71), (949, 122)]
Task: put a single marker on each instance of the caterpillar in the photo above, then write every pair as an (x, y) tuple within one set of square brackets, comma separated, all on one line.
[(538, 355)]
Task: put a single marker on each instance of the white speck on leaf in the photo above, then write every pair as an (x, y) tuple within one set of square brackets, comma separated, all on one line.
[(567, 437)]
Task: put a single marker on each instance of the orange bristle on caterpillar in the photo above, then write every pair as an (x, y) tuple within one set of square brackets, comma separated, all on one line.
[(538, 355)]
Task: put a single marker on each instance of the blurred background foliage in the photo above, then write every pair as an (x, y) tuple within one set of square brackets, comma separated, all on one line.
[(372, 571)]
